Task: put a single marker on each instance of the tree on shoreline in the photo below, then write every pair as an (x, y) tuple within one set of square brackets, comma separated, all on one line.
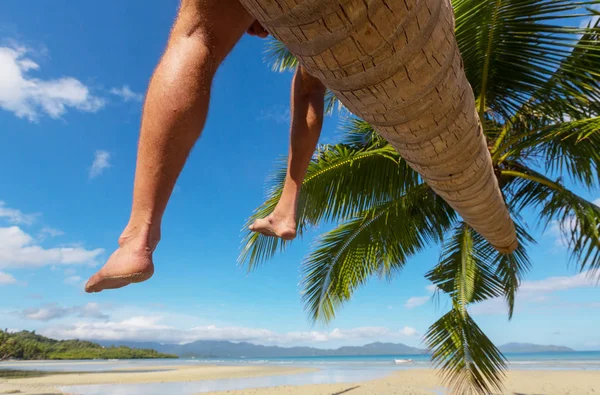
[(536, 79)]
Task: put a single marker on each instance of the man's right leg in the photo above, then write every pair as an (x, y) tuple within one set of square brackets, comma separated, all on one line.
[(174, 114)]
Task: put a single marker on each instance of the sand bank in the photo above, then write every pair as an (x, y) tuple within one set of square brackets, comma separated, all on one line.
[(160, 374), (426, 382), (408, 382)]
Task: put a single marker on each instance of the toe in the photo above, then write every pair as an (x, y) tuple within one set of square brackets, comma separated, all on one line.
[(90, 286)]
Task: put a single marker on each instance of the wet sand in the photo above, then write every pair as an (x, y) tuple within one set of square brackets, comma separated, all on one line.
[(160, 374), (406, 382), (426, 382)]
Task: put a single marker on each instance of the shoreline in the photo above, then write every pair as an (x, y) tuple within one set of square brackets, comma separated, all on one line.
[(158, 374), (427, 382), (400, 382)]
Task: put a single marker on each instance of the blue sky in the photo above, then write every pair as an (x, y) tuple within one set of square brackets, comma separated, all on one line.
[(72, 75)]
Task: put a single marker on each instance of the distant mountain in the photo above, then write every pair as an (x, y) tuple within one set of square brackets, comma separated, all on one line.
[(221, 349), (528, 348)]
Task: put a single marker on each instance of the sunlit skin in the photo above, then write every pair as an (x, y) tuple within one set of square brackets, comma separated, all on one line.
[(174, 115)]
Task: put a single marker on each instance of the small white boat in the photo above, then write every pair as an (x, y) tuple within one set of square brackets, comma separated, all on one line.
[(402, 361)]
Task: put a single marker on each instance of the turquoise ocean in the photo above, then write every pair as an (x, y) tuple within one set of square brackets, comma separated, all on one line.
[(346, 369)]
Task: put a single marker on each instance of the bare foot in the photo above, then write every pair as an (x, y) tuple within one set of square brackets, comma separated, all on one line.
[(131, 263), (277, 226)]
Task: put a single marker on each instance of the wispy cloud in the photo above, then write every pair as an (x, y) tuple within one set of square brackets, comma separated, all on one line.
[(15, 216), (50, 232), (7, 279), (101, 162), (30, 98), (558, 229), (73, 280), (127, 94), (19, 249), (408, 331), (54, 311), (278, 114), (416, 301), (153, 328), (537, 291)]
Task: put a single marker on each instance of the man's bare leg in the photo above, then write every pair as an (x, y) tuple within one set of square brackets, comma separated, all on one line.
[(174, 114), (307, 121)]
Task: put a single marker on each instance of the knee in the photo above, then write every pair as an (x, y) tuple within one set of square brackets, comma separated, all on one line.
[(195, 49)]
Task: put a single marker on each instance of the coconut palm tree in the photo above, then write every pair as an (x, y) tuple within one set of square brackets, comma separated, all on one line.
[(536, 79), (397, 65)]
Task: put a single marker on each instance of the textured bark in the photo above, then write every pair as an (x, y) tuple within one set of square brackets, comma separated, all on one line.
[(396, 64)]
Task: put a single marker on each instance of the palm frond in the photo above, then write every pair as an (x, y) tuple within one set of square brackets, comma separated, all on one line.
[(511, 48), (568, 148), (577, 218), (508, 269), (470, 363), (279, 57), (359, 133), (463, 272), (377, 241), (341, 181)]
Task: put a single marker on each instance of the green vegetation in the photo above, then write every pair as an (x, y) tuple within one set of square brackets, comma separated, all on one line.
[(28, 345), (535, 71)]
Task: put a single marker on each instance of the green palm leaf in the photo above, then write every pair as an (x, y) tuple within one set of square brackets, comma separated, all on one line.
[(279, 57), (511, 48), (569, 148), (577, 218), (377, 241), (469, 361), (483, 273), (341, 181)]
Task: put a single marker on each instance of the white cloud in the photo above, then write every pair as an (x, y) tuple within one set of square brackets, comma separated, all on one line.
[(127, 94), (416, 301), (552, 284), (408, 331), (100, 163), (537, 291), (431, 288), (593, 20), (53, 311), (50, 232), (18, 249), (152, 328), (15, 216), (73, 280), (277, 114), (7, 279), (569, 225), (29, 97)]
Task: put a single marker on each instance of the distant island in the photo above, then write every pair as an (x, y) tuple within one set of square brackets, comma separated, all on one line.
[(516, 348), (226, 349), (27, 345)]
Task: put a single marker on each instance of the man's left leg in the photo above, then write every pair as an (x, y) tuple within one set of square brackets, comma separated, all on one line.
[(308, 102)]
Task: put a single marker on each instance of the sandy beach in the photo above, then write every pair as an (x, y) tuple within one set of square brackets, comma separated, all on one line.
[(425, 382), (407, 382), (161, 374)]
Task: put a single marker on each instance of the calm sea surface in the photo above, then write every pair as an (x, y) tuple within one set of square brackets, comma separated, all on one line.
[(331, 370)]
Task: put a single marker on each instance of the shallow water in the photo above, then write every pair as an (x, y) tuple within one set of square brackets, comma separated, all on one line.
[(331, 370), (328, 376)]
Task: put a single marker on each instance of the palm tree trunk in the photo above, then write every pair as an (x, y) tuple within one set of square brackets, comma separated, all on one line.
[(396, 64)]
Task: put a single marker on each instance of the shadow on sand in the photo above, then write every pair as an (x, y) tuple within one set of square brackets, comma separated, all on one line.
[(346, 390)]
